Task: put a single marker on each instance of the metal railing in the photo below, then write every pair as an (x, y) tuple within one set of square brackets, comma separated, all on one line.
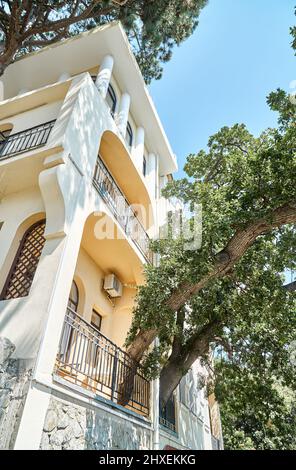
[(167, 415), (121, 209), (23, 141), (88, 359)]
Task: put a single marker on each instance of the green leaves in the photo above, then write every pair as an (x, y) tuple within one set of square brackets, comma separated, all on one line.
[(239, 180), (153, 27)]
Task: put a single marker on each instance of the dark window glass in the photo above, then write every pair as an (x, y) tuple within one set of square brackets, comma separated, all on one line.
[(111, 99), (96, 320), (144, 166), (73, 297)]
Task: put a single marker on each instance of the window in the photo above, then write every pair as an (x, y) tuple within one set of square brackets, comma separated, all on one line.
[(111, 99), (96, 320), (20, 277), (73, 297), (129, 135), (144, 166)]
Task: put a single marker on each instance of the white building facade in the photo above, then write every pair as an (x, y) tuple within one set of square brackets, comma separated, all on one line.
[(83, 156)]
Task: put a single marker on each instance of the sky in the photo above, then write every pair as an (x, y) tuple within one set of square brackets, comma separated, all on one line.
[(221, 75)]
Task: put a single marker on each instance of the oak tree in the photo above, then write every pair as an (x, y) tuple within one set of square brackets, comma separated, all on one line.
[(230, 291)]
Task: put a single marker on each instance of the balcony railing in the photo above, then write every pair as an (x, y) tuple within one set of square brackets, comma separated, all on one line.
[(120, 208), (88, 359), (23, 141)]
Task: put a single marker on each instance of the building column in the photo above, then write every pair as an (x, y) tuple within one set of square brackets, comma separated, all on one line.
[(122, 116), (49, 295), (104, 75), (139, 148)]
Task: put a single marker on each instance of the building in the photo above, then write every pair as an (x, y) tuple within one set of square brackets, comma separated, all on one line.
[(83, 157)]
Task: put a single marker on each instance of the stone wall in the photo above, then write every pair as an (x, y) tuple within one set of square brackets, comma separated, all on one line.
[(14, 384), (72, 426)]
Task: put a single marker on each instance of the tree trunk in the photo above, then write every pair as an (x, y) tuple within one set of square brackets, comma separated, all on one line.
[(141, 343), (197, 346)]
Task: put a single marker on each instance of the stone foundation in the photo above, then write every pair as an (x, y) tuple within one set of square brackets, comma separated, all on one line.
[(75, 427), (14, 384)]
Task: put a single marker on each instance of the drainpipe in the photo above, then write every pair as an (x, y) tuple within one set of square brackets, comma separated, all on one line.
[(155, 407)]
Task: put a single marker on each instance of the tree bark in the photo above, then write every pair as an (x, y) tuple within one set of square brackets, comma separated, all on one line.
[(141, 343), (197, 346)]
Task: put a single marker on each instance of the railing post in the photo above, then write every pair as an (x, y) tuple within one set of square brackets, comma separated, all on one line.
[(114, 374)]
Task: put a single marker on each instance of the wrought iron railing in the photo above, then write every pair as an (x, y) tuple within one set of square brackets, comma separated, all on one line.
[(167, 415), (121, 209), (88, 359), (23, 141)]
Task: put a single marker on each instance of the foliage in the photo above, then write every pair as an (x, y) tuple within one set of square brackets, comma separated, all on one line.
[(243, 183), (239, 180), (257, 412), (153, 26)]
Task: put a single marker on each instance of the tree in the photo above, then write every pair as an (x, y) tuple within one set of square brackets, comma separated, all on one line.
[(229, 292), (246, 186), (153, 26)]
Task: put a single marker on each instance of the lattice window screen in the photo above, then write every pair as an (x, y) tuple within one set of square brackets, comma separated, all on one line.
[(22, 272)]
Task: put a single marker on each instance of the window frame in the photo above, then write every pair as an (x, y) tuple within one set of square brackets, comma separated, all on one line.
[(72, 302), (144, 169)]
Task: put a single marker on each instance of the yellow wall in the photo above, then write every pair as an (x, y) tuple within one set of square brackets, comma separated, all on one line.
[(116, 313)]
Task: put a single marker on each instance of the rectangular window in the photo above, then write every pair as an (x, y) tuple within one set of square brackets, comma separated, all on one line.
[(144, 166), (96, 320)]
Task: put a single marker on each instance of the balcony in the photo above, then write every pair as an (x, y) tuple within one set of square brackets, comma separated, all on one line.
[(121, 209), (88, 359), (29, 139)]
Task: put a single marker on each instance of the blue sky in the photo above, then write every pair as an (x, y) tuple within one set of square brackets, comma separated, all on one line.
[(222, 74)]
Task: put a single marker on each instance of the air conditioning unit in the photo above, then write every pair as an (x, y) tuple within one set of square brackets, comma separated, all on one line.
[(113, 285)]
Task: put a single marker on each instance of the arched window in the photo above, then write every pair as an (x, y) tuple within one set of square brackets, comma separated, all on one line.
[(73, 297), (129, 135), (111, 99), (20, 277)]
